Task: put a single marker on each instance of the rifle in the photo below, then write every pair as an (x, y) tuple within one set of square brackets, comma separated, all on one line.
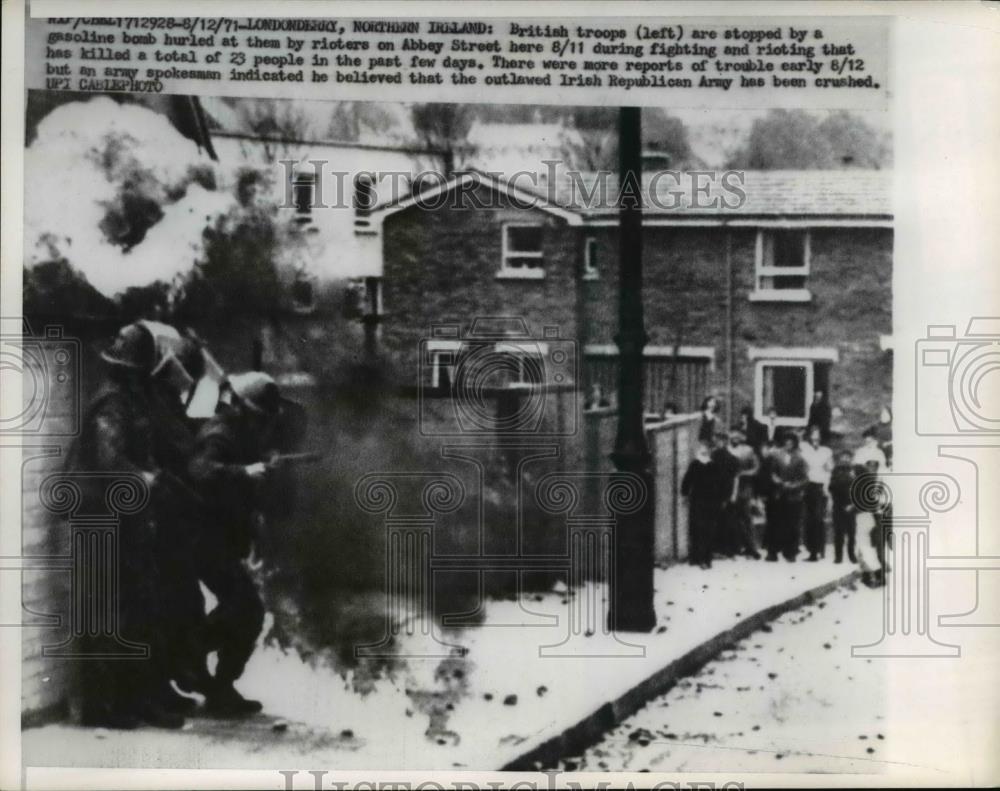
[(284, 460)]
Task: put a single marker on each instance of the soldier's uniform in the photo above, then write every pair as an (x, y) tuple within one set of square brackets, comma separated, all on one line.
[(226, 446), (118, 437), (182, 512)]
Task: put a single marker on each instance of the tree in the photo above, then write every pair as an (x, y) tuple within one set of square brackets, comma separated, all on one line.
[(55, 288), (444, 129), (349, 121), (246, 251), (855, 143), (798, 139), (275, 122), (661, 132), (667, 134)]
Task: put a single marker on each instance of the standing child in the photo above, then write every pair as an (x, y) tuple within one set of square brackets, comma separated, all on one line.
[(874, 519), (700, 485), (844, 512)]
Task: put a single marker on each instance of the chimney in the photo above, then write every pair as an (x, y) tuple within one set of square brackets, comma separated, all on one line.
[(364, 199)]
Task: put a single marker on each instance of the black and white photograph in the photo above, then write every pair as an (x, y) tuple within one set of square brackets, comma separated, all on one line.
[(382, 432)]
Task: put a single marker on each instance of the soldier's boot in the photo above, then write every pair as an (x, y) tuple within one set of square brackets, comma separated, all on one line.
[(196, 679), (105, 715), (224, 701), (155, 714), (171, 701)]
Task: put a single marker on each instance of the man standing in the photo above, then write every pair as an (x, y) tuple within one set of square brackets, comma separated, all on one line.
[(228, 467), (820, 415), (118, 437), (700, 485), (755, 432), (843, 508), (790, 475), (740, 496), (819, 460), (727, 467), (769, 493)]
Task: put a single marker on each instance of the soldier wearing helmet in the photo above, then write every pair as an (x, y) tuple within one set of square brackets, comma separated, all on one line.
[(179, 364), (228, 467), (118, 436)]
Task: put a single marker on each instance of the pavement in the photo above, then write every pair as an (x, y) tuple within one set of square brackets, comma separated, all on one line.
[(517, 691), (790, 698)]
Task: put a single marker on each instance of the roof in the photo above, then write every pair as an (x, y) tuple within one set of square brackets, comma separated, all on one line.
[(774, 194), (305, 142)]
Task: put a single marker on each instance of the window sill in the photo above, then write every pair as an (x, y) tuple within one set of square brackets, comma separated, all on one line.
[(521, 274), (784, 422), (591, 276), (781, 295)]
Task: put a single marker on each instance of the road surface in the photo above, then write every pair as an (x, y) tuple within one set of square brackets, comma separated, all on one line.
[(789, 698)]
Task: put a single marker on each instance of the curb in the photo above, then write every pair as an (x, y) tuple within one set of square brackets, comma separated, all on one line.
[(592, 728)]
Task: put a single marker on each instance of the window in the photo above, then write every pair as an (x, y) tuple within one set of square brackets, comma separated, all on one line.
[(487, 366), (303, 191), (590, 270), (442, 369), (304, 293), (786, 388), (678, 376), (439, 363), (517, 365), (522, 251), (782, 266), (786, 377)]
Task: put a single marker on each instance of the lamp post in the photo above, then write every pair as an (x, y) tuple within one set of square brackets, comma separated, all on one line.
[(631, 608)]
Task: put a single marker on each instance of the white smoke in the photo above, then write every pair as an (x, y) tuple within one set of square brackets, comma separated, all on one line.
[(75, 170)]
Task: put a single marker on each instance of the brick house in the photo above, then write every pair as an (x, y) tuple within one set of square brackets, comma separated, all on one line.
[(760, 301)]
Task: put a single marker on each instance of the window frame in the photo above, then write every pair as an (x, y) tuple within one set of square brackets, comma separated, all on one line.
[(520, 273), (758, 386), (436, 351), (590, 270), (313, 282), (761, 270), (303, 185), (521, 351)]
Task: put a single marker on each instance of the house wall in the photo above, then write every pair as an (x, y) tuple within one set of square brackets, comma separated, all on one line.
[(45, 536), (441, 266), (685, 285)]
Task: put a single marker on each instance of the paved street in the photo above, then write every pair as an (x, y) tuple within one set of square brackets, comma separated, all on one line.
[(790, 698), (494, 700)]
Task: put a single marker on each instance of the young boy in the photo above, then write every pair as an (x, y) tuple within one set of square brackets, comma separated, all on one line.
[(701, 486), (844, 512)]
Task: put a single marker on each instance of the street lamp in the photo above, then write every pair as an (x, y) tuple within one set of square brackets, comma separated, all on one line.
[(631, 585)]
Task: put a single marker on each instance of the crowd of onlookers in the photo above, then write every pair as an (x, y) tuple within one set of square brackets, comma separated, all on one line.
[(790, 483)]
